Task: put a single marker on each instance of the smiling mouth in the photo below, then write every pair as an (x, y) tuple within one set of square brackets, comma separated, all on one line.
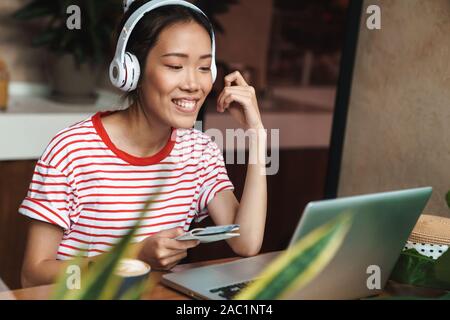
[(185, 105)]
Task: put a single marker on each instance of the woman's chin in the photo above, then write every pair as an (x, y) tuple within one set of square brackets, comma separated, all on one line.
[(186, 123)]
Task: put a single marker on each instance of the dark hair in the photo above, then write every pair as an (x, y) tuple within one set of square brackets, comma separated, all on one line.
[(146, 32)]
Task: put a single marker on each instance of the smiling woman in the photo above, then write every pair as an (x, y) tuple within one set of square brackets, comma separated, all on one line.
[(94, 178)]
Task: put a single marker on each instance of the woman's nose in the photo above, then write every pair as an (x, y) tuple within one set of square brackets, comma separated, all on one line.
[(190, 81)]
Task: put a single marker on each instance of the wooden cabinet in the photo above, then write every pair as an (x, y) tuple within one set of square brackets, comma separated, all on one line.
[(15, 177)]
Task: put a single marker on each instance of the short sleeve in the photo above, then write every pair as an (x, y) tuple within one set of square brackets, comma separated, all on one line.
[(214, 179), (50, 197)]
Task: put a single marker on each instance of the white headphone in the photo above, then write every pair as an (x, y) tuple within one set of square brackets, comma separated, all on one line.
[(124, 70)]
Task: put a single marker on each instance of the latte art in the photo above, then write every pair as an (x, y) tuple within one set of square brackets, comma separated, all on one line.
[(131, 268)]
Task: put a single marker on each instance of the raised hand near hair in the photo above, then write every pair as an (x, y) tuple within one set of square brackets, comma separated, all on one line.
[(163, 252), (240, 100)]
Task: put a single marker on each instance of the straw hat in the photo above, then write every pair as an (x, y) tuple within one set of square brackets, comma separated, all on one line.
[(431, 229)]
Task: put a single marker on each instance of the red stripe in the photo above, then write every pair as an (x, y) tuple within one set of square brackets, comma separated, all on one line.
[(199, 203), (101, 164), (90, 242), (39, 214), (150, 186), (134, 202), (64, 147), (134, 194), (135, 210), (139, 179), (50, 192), (204, 186), (64, 131), (66, 209), (202, 215), (61, 140), (210, 178), (216, 192), (98, 235), (81, 250), (209, 193), (87, 157), (194, 137), (137, 187), (129, 227), (138, 218), (77, 150), (181, 147), (50, 175), (124, 164), (80, 122), (75, 167), (48, 200), (132, 171), (50, 183), (65, 254), (48, 209), (42, 165)]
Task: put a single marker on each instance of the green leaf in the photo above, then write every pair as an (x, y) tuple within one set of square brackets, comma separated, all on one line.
[(447, 198), (45, 38), (297, 266), (442, 269), (417, 270), (413, 268), (100, 281), (36, 9), (136, 292)]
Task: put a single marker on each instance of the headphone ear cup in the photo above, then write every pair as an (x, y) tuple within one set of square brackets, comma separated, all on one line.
[(132, 72), (213, 70)]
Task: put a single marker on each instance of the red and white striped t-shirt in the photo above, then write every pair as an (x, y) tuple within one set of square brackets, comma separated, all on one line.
[(96, 192)]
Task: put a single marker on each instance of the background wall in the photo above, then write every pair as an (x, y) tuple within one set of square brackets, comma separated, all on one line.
[(247, 35), (398, 130)]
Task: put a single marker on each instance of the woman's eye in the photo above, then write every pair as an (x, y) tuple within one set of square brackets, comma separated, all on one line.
[(174, 67), (206, 69)]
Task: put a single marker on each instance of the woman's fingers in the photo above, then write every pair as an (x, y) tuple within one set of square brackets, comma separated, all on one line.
[(173, 244), (231, 96), (237, 77), (229, 91), (168, 262), (236, 89)]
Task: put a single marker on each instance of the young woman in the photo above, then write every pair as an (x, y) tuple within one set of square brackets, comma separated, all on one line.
[(92, 181)]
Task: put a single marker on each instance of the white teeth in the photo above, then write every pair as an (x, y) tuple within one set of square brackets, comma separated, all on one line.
[(185, 104)]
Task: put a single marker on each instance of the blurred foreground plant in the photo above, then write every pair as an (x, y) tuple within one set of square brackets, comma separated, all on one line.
[(296, 267), (98, 281)]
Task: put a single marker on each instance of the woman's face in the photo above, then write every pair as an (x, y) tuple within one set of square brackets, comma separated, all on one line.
[(177, 77)]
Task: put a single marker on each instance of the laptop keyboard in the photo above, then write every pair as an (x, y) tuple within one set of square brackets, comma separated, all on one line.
[(229, 292)]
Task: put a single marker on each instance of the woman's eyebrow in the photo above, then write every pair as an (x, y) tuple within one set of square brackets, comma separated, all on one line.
[(183, 55)]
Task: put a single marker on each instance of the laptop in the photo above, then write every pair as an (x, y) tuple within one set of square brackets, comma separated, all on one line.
[(382, 223)]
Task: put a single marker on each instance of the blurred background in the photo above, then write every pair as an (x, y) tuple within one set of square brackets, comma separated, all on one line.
[(51, 77)]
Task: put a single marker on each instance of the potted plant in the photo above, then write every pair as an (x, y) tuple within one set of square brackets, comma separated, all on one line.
[(76, 55)]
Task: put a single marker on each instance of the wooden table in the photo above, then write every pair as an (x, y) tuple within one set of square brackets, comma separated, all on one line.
[(159, 292)]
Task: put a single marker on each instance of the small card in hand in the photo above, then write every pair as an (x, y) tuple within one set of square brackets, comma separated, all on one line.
[(211, 234)]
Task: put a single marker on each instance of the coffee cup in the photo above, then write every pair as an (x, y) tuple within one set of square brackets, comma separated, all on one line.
[(131, 272)]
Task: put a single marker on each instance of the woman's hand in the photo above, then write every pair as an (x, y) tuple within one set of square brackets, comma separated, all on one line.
[(163, 252), (240, 100)]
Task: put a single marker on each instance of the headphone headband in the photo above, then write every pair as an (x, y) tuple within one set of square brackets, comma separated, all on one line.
[(120, 55), (137, 16)]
